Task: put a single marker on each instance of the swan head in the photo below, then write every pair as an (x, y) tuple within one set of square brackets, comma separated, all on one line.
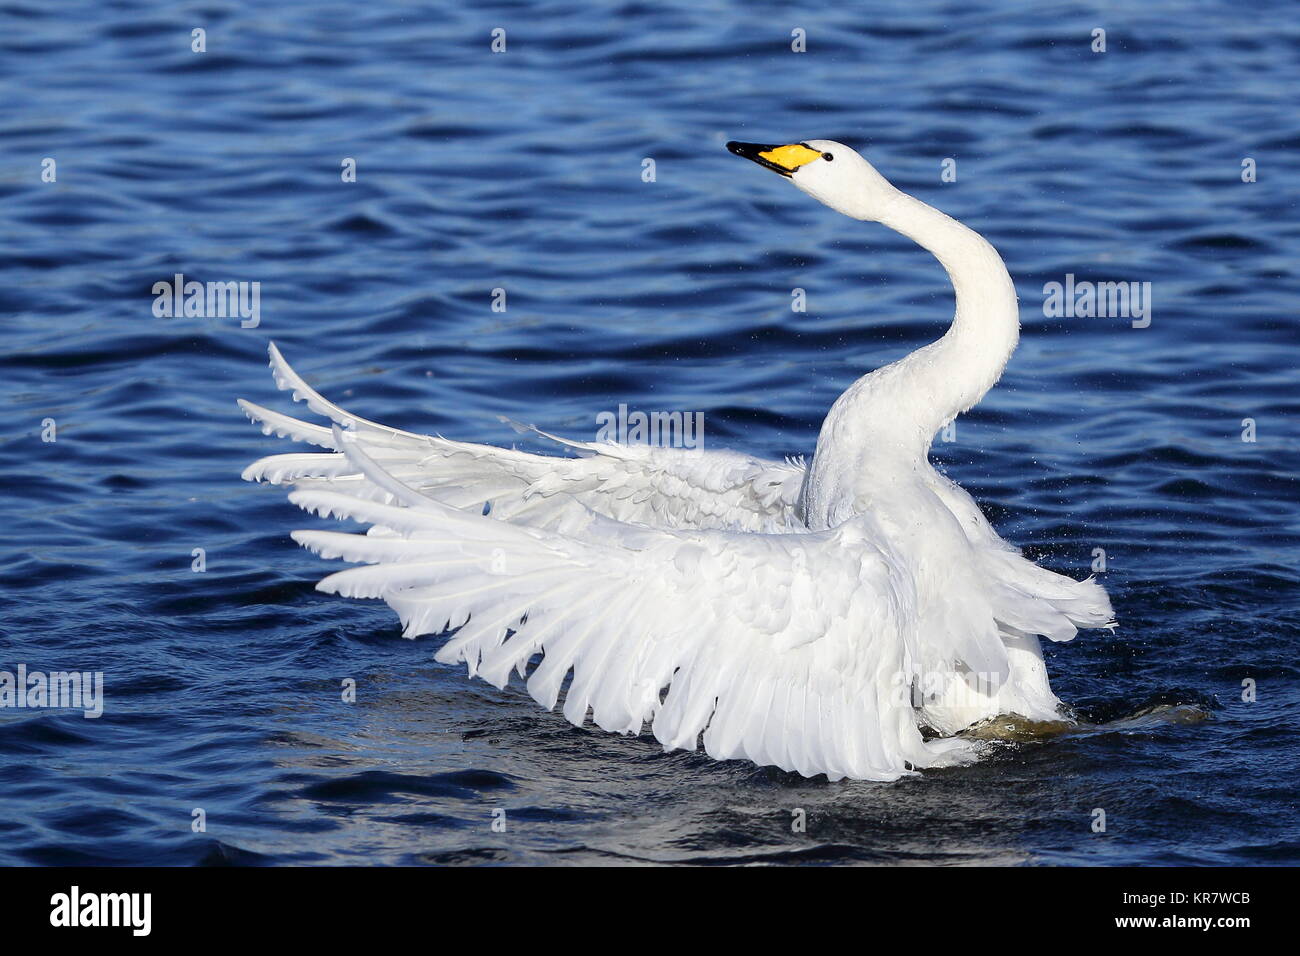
[(830, 172)]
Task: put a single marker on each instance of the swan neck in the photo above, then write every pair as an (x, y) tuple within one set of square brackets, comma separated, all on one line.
[(952, 374)]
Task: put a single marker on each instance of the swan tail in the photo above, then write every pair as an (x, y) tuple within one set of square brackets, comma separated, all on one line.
[(1034, 600), (1027, 598)]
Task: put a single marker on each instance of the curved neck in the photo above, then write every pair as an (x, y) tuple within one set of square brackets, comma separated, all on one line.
[(949, 376)]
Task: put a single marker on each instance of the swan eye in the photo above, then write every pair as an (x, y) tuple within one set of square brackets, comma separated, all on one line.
[(828, 157)]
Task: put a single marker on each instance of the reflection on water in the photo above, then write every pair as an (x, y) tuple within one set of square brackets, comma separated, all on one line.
[(1012, 727)]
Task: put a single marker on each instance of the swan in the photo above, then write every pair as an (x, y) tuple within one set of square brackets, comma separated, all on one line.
[(849, 616)]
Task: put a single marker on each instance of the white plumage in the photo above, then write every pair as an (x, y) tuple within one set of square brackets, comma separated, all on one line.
[(813, 618)]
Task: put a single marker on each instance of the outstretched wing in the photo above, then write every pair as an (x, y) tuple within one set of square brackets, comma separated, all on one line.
[(657, 487), (788, 648), (785, 649)]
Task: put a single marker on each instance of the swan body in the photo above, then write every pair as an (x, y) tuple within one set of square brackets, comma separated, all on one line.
[(847, 617)]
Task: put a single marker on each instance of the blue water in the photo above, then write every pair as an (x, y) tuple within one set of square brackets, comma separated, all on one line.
[(523, 170)]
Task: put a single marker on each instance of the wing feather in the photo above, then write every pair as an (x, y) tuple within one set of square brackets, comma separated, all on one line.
[(653, 486), (699, 633), (664, 586)]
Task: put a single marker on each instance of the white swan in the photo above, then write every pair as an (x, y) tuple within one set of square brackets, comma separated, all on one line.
[(818, 619)]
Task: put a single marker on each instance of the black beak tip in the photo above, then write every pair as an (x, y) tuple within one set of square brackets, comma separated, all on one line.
[(754, 151)]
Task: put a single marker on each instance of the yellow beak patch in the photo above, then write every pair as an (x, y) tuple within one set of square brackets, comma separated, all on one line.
[(781, 159), (790, 157)]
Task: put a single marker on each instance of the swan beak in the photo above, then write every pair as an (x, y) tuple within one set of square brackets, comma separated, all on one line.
[(782, 159)]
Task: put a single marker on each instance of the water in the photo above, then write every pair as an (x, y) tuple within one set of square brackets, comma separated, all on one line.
[(523, 171)]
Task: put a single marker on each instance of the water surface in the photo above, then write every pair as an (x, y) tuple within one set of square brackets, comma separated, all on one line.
[(523, 171)]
